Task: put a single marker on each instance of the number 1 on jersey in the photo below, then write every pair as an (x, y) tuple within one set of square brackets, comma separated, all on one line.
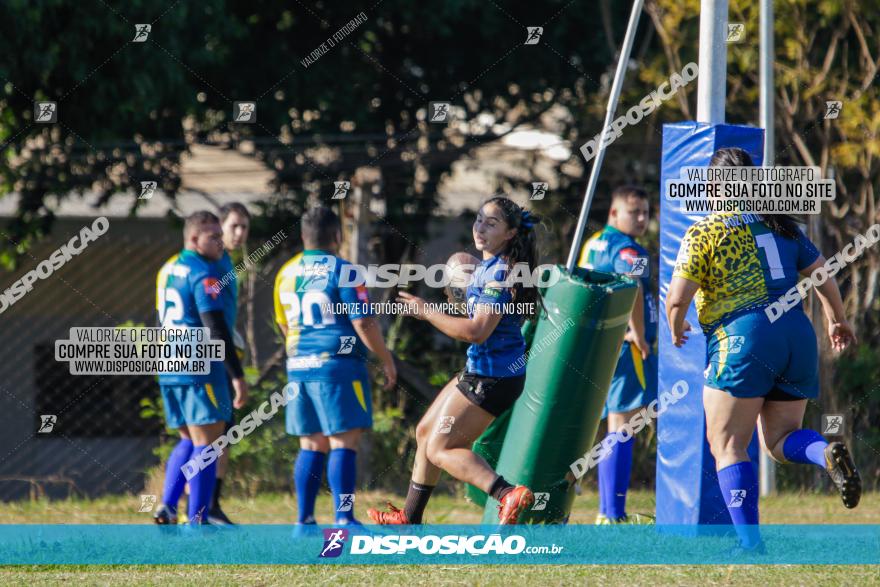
[(768, 243)]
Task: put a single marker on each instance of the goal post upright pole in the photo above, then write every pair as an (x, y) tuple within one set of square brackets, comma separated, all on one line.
[(611, 109)]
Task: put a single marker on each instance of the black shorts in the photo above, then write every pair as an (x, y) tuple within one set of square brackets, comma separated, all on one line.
[(494, 394), (231, 421), (777, 395)]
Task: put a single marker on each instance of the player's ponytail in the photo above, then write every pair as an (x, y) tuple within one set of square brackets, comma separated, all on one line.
[(735, 157), (523, 248)]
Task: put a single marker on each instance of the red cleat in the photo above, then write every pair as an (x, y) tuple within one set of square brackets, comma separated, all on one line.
[(514, 504), (395, 516)]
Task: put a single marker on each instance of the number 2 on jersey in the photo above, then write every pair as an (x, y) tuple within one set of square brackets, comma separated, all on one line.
[(173, 315)]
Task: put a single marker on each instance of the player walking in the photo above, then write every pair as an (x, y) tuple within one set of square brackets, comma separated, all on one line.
[(326, 355), (197, 405), (757, 370), (634, 385), (487, 387)]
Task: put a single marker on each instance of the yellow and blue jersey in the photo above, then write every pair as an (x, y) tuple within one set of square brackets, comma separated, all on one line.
[(635, 379), (161, 279), (613, 251), (506, 345), (185, 288), (739, 264), (321, 342), (228, 288)]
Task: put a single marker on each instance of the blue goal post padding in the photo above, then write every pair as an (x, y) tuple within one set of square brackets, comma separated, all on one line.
[(687, 486)]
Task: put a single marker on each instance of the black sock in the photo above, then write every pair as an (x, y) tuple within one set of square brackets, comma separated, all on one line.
[(416, 499), (499, 488), (215, 499)]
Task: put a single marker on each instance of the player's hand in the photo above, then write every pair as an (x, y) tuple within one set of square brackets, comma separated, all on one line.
[(640, 342), (241, 392), (841, 335), (390, 371), (679, 338), (417, 306)]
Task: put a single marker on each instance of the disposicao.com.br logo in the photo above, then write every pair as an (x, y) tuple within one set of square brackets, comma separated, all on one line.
[(493, 544), (334, 539)]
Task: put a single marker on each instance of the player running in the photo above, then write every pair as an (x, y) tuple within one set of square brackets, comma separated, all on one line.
[(487, 387), (757, 370), (197, 405), (326, 354), (634, 385), (235, 220)]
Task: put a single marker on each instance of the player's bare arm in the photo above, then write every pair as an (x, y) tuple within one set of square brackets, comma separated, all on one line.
[(370, 333), (636, 333), (678, 299), (839, 329), (473, 330)]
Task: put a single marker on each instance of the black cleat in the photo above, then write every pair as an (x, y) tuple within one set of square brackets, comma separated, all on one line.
[(216, 517), (164, 516), (843, 472)]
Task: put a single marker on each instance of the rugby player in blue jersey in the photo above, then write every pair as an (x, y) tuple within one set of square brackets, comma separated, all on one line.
[(198, 406), (235, 223), (494, 376), (328, 329), (757, 370), (634, 385)]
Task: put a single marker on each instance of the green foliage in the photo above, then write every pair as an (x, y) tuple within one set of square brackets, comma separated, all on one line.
[(263, 460), (123, 105), (120, 104)]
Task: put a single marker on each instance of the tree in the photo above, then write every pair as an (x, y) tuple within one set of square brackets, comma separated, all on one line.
[(120, 104)]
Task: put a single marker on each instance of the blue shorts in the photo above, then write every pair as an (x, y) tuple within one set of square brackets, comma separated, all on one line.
[(196, 404), (634, 383), (747, 356), (329, 407)]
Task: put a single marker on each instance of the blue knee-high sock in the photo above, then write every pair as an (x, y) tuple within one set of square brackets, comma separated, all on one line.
[(806, 447), (602, 477), (616, 468), (341, 474), (308, 470), (605, 473), (739, 488), (201, 486), (174, 478)]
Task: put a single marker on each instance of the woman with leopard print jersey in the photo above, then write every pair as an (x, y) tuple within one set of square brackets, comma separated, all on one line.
[(757, 369)]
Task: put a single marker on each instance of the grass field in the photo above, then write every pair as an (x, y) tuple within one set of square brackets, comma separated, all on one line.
[(444, 509), (436, 576)]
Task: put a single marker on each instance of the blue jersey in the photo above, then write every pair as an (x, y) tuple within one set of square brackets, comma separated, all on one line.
[(612, 251), (228, 287), (321, 342), (506, 345), (740, 265), (186, 287)]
